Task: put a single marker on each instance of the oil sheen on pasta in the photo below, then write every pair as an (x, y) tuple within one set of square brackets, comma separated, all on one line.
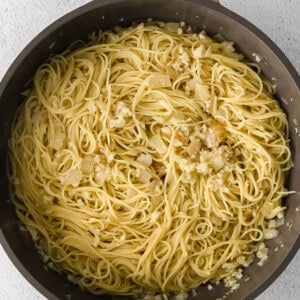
[(151, 159)]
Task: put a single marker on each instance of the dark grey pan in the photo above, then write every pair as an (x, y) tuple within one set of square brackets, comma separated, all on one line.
[(106, 14)]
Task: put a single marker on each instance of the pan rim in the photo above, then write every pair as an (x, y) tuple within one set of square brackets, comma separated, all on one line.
[(91, 6)]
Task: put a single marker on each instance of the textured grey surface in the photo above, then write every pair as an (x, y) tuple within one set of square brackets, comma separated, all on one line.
[(21, 20), (279, 19)]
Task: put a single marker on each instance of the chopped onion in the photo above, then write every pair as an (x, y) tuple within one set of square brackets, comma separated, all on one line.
[(194, 147), (230, 51), (218, 37), (171, 26), (91, 107), (171, 72), (177, 143), (199, 52), (145, 159), (280, 215), (154, 216), (102, 173), (166, 106), (257, 57), (57, 141), (73, 177), (208, 51), (202, 91), (210, 140), (159, 81), (87, 164), (270, 233), (202, 168), (217, 163), (122, 110), (202, 35), (182, 296), (279, 222), (117, 123), (47, 199), (242, 260), (157, 143), (272, 224), (180, 31), (266, 208), (130, 193), (228, 47), (155, 186), (166, 130), (263, 253), (144, 176), (185, 57), (219, 131), (222, 113), (34, 233)]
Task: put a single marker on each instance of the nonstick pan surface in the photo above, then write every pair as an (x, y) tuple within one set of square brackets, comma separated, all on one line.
[(201, 14)]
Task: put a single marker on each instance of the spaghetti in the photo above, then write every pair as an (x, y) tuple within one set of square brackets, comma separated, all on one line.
[(151, 159)]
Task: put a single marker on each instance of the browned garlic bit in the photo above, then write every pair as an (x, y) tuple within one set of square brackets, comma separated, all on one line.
[(262, 253)]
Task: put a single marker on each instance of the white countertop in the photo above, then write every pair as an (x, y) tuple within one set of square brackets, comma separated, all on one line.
[(21, 20)]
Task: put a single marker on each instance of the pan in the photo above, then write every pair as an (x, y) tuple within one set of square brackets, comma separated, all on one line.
[(200, 14)]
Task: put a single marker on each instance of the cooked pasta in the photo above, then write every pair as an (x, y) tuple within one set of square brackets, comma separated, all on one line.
[(150, 160)]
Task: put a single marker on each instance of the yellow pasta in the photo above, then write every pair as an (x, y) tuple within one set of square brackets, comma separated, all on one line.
[(150, 160)]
